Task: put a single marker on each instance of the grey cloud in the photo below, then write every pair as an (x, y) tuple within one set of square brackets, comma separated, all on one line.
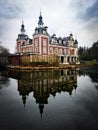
[(91, 12), (9, 10), (90, 17), (87, 13)]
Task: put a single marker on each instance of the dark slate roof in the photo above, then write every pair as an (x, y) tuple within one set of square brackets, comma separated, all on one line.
[(30, 41), (22, 37), (54, 35), (59, 38), (41, 30), (65, 38)]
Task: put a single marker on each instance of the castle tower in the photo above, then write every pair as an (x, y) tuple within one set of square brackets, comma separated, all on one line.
[(21, 40), (41, 38)]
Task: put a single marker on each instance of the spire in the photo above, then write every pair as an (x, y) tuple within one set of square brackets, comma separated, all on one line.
[(22, 28), (40, 22), (41, 108), (41, 29), (24, 100), (40, 11)]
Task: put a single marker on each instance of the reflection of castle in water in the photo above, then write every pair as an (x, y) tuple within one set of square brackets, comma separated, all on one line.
[(45, 83)]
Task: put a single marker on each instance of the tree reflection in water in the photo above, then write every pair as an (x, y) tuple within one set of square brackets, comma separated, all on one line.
[(44, 83), (92, 73), (4, 80)]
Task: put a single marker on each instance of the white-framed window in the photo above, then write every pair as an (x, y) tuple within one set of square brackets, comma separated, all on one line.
[(24, 50), (60, 51), (56, 51), (64, 51), (36, 49), (51, 50), (30, 49), (18, 45), (36, 42), (27, 49), (44, 50), (44, 43), (45, 81), (69, 52)]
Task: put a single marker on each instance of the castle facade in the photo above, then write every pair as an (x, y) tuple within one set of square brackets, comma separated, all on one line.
[(44, 46)]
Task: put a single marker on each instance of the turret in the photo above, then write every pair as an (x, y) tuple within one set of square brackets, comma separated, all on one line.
[(70, 42), (41, 29), (71, 36), (22, 35)]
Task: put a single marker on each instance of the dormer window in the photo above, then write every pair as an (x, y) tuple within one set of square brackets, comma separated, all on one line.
[(64, 42), (60, 41), (36, 30), (54, 40), (44, 31)]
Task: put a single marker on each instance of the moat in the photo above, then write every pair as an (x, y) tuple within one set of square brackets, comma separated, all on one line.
[(65, 99)]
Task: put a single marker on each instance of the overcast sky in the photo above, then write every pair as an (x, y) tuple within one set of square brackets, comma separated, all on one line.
[(63, 17)]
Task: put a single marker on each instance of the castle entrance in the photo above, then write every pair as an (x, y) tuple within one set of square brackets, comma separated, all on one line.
[(62, 59)]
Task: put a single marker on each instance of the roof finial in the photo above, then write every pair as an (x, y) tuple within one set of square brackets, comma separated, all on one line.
[(22, 22), (40, 22), (54, 31), (75, 36), (22, 27), (40, 12)]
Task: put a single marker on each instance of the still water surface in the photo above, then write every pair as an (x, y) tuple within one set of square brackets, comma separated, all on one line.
[(47, 100)]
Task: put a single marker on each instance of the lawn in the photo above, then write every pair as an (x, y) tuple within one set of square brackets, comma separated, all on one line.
[(91, 62)]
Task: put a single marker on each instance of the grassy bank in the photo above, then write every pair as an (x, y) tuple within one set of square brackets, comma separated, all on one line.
[(91, 62), (43, 67), (83, 64)]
